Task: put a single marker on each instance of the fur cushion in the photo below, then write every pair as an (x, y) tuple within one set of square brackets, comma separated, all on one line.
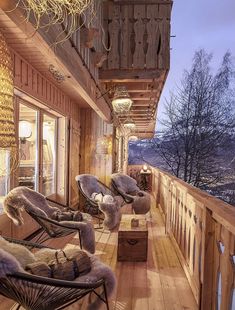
[(141, 204), (124, 183), (98, 271), (89, 184), (21, 253), (112, 214), (8, 264)]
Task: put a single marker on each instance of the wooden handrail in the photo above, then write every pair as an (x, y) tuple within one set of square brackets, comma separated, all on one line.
[(202, 229)]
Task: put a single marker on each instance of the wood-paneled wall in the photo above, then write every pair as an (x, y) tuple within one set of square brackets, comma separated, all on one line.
[(33, 83), (92, 128)]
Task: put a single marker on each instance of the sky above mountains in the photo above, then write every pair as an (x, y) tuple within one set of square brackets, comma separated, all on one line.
[(208, 24)]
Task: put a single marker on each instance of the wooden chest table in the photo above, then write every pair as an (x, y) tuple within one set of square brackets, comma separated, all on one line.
[(132, 241)]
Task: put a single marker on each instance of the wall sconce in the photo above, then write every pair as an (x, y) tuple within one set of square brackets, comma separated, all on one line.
[(103, 145), (121, 100), (25, 130)]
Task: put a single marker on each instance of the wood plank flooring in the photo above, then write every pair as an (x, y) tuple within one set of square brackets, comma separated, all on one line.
[(158, 284)]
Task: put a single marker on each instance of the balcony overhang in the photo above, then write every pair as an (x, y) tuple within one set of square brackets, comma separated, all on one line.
[(139, 56), (35, 47)]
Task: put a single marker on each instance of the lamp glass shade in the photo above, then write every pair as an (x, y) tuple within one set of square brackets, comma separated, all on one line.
[(121, 100), (25, 129), (133, 138), (129, 124)]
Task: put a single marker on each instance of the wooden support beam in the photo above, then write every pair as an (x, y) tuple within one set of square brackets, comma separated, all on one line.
[(117, 75)]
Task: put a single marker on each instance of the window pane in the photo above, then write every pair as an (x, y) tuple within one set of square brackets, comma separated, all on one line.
[(49, 155), (28, 147), (4, 174)]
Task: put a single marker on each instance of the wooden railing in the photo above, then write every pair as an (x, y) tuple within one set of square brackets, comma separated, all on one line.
[(139, 34), (202, 229)]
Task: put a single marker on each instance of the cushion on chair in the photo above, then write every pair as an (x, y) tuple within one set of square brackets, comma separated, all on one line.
[(9, 265), (22, 254), (24, 198), (125, 183)]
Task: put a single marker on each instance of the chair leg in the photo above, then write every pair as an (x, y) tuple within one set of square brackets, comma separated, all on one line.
[(106, 297), (80, 240)]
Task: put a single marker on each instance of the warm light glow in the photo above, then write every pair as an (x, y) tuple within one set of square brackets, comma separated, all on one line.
[(145, 167), (133, 138), (25, 129), (104, 145), (121, 100), (7, 127), (129, 124)]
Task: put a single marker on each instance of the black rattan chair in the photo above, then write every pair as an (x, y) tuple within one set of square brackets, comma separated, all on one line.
[(89, 184), (125, 186), (33, 292), (51, 229)]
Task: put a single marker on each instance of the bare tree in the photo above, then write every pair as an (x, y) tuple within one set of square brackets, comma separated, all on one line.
[(200, 116)]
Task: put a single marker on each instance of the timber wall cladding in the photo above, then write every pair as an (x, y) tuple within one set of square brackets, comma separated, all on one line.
[(139, 35), (92, 128), (30, 81)]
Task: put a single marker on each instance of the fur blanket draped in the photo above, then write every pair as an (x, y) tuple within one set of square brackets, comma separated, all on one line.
[(10, 263), (23, 198)]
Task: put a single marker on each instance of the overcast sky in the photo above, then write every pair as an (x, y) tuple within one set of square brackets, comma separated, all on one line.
[(208, 24)]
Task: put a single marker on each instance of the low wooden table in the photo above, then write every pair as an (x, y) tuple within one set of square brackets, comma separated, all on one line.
[(132, 241)]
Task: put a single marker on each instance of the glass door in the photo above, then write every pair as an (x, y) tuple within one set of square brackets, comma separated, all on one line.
[(28, 147), (49, 154)]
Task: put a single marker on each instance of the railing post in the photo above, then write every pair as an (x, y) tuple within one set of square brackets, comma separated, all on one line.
[(208, 243)]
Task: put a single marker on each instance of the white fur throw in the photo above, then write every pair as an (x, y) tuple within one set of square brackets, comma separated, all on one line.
[(9, 265), (112, 214), (24, 198), (124, 183), (98, 271), (21, 253)]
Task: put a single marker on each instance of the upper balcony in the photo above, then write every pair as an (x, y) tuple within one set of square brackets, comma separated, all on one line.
[(138, 34)]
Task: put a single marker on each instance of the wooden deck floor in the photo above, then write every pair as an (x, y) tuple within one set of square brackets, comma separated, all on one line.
[(158, 284)]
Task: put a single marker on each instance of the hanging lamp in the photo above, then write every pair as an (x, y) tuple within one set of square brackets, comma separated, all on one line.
[(121, 100), (129, 123)]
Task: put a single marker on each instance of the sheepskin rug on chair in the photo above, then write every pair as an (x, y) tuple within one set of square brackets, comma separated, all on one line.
[(112, 214), (13, 261), (23, 198)]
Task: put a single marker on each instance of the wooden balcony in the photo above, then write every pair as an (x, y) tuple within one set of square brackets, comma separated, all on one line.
[(138, 33), (202, 230)]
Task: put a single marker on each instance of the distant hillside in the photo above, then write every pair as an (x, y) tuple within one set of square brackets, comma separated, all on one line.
[(143, 151)]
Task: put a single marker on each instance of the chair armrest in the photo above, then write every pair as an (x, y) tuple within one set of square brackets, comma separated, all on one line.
[(27, 243), (55, 282)]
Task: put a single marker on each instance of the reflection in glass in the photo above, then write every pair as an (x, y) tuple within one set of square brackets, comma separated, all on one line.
[(49, 157), (28, 146), (4, 174)]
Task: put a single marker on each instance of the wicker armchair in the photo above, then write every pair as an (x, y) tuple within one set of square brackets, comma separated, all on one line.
[(127, 187), (33, 292), (89, 184)]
